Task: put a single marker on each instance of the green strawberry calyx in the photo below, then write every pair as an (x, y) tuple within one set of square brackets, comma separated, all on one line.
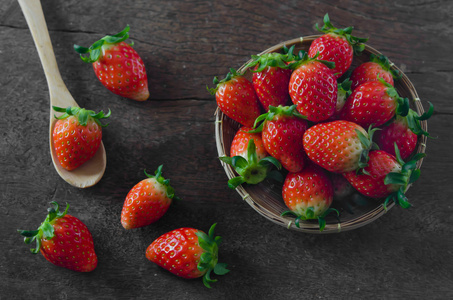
[(368, 145), (402, 104), (229, 76), (310, 214), (384, 62), (408, 174), (83, 115), (273, 59), (413, 120), (355, 42), (209, 259), (94, 51), (250, 170), (303, 58), (46, 230), (170, 191), (273, 112), (344, 91)]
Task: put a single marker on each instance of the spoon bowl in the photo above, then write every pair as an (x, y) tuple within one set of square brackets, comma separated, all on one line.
[(92, 171)]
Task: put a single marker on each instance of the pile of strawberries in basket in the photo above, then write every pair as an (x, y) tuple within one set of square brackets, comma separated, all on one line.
[(333, 128)]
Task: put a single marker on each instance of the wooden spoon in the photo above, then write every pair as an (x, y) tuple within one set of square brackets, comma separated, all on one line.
[(92, 171)]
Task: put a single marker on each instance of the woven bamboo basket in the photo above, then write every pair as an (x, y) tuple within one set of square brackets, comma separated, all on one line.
[(266, 197)]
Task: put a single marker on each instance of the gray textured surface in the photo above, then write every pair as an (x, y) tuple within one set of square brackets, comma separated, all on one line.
[(405, 254)]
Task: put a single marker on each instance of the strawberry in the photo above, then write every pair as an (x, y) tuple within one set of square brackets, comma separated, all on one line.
[(374, 103), (386, 176), (252, 170), (271, 76), (338, 146), (397, 132), (313, 88), (341, 187), (241, 141), (282, 130), (377, 67), (403, 131), (77, 135), (236, 98), (147, 201), (188, 253), (308, 194), (63, 240), (117, 65), (336, 45)]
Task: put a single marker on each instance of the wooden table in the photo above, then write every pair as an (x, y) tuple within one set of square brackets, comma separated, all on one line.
[(406, 254)]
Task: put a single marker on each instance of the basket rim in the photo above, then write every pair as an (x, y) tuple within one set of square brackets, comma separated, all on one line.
[(311, 227)]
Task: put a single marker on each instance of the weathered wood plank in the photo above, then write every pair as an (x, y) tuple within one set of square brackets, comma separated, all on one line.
[(170, 35), (184, 45)]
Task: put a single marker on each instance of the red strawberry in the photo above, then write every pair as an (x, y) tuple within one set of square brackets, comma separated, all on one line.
[(397, 132), (64, 241), (403, 131), (271, 78), (188, 253), (241, 141), (386, 176), (236, 98), (336, 45), (147, 201), (308, 194), (341, 187), (338, 146), (282, 130), (77, 135), (374, 103), (377, 67), (118, 66), (313, 88), (371, 181), (252, 170)]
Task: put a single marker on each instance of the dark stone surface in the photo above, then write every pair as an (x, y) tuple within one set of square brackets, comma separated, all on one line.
[(406, 254)]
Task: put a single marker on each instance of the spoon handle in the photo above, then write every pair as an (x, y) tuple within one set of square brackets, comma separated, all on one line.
[(34, 16)]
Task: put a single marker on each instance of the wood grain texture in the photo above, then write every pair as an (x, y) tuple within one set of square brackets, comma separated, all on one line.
[(406, 254)]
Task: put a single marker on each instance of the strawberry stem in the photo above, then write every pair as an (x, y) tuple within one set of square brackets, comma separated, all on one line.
[(82, 115), (368, 145), (413, 120), (273, 112), (209, 259), (355, 42), (230, 75), (273, 59), (94, 51), (344, 91), (304, 58), (384, 62), (408, 174), (170, 192), (402, 104), (251, 170), (46, 229)]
